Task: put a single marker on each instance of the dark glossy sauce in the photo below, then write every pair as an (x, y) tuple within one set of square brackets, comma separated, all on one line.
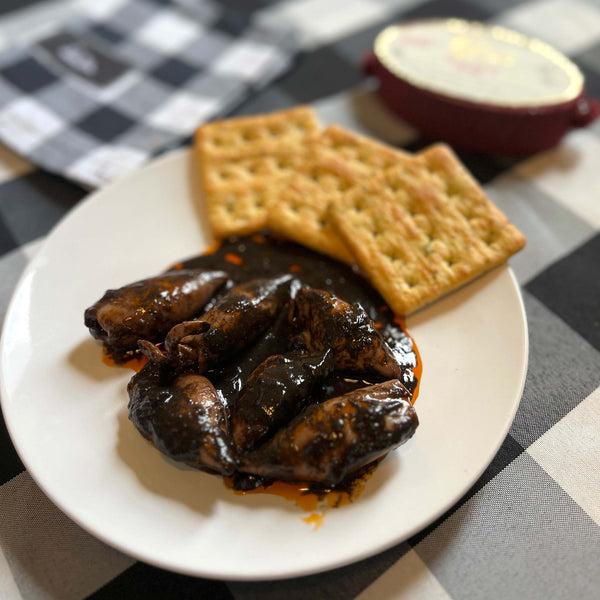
[(260, 256)]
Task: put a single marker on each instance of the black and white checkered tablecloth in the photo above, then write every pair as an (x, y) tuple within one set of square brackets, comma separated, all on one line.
[(120, 82), (529, 528)]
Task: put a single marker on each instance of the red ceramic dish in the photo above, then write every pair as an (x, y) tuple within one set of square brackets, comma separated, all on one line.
[(479, 87)]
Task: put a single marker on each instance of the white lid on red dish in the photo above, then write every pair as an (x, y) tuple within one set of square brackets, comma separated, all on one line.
[(478, 63)]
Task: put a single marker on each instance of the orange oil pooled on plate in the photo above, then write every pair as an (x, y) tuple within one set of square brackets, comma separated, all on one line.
[(136, 363), (316, 520), (418, 368), (315, 501)]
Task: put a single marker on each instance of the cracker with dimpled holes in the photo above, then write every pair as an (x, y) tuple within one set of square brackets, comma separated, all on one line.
[(241, 208), (256, 135), (366, 156), (244, 161), (222, 173), (465, 195), (301, 210), (423, 229)]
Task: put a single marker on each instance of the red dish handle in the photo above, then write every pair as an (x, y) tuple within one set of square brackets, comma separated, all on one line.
[(369, 64), (586, 110)]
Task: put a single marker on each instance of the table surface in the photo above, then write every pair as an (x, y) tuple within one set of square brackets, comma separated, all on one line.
[(529, 528)]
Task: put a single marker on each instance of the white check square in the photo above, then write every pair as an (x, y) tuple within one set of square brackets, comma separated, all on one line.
[(569, 173), (105, 164), (168, 32), (570, 453), (407, 579), (99, 10), (25, 124), (569, 27), (321, 22), (183, 113), (246, 59)]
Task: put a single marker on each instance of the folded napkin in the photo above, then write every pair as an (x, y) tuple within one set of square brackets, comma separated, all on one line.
[(126, 79)]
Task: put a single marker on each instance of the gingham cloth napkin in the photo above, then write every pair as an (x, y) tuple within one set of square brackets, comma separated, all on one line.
[(125, 80)]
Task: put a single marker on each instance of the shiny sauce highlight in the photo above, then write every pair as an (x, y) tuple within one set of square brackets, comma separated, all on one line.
[(252, 257)]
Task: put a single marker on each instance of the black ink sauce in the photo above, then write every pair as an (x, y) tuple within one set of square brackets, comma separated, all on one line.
[(258, 256)]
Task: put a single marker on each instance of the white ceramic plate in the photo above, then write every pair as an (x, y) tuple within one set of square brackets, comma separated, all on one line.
[(67, 412)]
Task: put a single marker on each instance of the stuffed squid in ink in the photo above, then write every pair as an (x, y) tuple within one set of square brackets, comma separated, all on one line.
[(326, 321), (330, 440), (276, 391), (183, 416), (234, 322), (149, 308)]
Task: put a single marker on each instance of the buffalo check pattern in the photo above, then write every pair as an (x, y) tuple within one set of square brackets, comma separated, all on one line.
[(530, 526), (121, 83)]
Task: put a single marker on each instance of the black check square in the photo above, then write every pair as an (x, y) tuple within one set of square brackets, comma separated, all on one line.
[(175, 72), (144, 581), (7, 242), (11, 464), (245, 5), (237, 15), (333, 72), (482, 166), (105, 124), (107, 34), (592, 81), (28, 75), (568, 290), (448, 8), (234, 22)]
